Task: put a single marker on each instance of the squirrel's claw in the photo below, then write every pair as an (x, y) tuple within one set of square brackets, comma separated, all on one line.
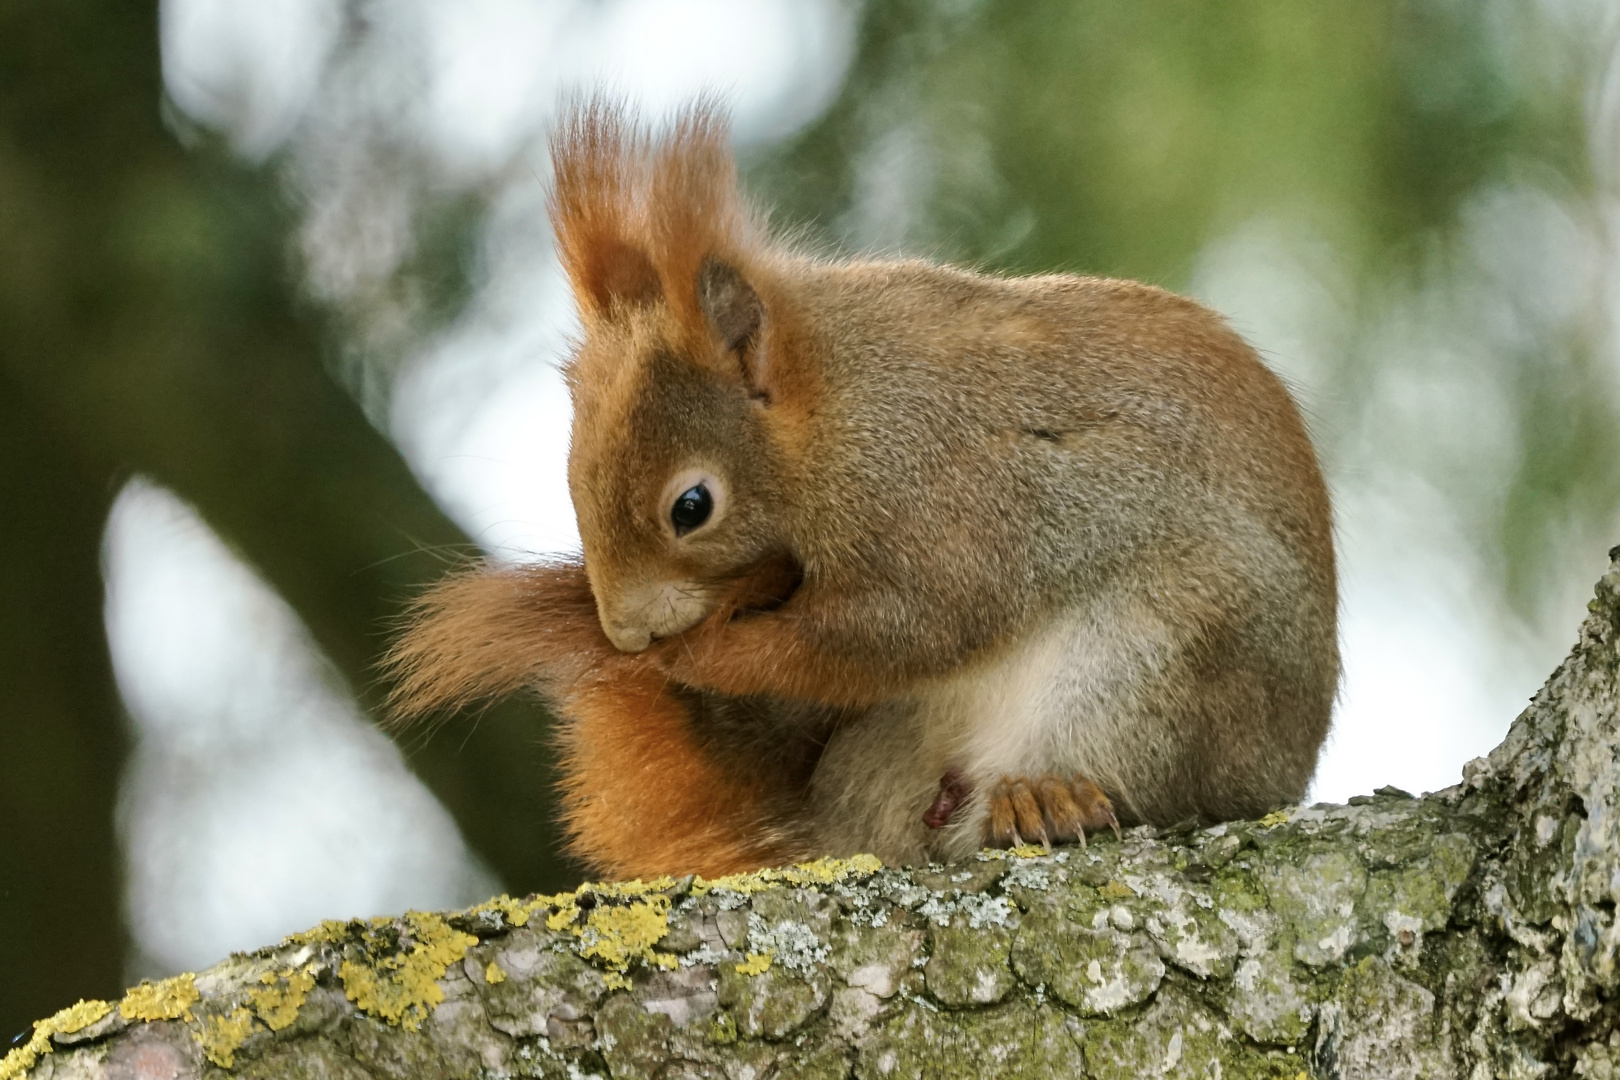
[(1016, 815), (1046, 808)]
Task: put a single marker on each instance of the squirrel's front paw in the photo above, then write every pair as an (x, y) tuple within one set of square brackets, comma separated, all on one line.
[(1046, 809)]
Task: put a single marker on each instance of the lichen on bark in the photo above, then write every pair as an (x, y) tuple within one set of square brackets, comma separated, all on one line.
[(1470, 933)]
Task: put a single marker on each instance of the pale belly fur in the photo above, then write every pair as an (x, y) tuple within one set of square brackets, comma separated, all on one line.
[(1058, 701)]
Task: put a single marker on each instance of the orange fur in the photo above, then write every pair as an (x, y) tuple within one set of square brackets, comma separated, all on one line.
[(640, 797), (774, 657), (489, 632), (593, 210), (635, 218)]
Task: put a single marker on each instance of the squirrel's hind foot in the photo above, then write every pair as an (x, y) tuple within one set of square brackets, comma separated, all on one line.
[(1046, 809)]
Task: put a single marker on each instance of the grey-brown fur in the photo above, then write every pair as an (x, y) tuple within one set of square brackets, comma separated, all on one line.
[(1097, 461)]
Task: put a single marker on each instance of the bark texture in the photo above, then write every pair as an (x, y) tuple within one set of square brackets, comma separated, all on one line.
[(1470, 933)]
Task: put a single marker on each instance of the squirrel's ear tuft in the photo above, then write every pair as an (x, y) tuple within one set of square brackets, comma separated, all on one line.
[(641, 217), (598, 156), (622, 273)]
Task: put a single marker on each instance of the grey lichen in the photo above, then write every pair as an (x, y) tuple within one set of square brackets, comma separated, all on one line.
[(1469, 933)]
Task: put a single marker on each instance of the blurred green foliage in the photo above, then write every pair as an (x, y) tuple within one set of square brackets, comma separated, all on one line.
[(1118, 138)]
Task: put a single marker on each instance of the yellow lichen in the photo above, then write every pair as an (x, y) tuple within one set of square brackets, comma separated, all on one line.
[(755, 964), (516, 912), (1022, 851), (567, 904), (493, 973), (15, 1065), (826, 871), (402, 988), (1275, 818), (78, 1017), (222, 1035), (281, 997), (329, 932), (75, 1017), (618, 935), (566, 915), (170, 999)]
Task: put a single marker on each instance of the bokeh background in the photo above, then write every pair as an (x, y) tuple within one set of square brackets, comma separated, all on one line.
[(280, 320)]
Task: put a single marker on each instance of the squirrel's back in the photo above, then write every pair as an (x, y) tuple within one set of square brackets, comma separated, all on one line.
[(1096, 490), (1012, 440)]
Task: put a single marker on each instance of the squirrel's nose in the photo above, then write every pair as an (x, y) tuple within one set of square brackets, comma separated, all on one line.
[(630, 639), (635, 617)]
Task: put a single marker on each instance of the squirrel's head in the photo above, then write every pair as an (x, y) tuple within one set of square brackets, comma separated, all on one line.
[(675, 463)]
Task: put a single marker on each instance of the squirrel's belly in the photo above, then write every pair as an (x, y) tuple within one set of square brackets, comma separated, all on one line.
[(1050, 703), (1047, 703)]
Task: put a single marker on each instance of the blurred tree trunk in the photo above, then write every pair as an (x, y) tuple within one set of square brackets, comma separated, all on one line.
[(59, 720), (148, 322), (1470, 933)]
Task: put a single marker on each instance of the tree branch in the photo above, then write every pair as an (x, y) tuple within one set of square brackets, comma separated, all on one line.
[(1467, 933)]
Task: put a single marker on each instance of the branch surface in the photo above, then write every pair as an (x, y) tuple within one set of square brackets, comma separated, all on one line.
[(1469, 933)]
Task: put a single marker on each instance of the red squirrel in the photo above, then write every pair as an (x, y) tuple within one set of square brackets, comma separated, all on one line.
[(886, 556)]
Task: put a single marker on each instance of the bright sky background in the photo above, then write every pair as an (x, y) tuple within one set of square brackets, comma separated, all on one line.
[(259, 801)]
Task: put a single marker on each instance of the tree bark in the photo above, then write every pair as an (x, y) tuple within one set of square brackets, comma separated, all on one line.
[(1468, 933)]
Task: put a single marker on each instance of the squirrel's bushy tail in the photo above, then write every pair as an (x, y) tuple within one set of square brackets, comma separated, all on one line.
[(489, 632)]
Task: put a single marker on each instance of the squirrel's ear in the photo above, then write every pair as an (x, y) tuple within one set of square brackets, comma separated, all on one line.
[(618, 273), (735, 314)]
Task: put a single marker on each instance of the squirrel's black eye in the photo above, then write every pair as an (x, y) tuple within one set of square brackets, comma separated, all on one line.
[(692, 508)]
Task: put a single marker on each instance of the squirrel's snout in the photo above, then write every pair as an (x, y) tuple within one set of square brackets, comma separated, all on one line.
[(657, 610), (628, 639)]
